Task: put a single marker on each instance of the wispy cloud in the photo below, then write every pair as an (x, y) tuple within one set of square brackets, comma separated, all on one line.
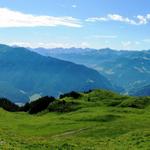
[(138, 20), (11, 18), (126, 44), (104, 36), (146, 40), (81, 44), (74, 6)]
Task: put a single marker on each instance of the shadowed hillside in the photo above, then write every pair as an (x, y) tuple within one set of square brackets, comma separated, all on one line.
[(125, 68), (24, 73)]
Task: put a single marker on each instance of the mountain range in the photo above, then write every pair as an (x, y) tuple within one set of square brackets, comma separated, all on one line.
[(26, 75), (124, 68)]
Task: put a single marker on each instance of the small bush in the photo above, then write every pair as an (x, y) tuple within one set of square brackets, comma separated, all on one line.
[(72, 94), (87, 92), (8, 105), (62, 106), (40, 104), (25, 108)]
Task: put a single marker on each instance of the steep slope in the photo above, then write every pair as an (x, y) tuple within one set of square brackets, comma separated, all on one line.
[(142, 91), (26, 73), (128, 69)]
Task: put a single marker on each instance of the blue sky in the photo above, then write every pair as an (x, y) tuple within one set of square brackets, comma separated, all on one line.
[(76, 23)]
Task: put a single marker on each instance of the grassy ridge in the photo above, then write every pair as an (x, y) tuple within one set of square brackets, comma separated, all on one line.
[(102, 120)]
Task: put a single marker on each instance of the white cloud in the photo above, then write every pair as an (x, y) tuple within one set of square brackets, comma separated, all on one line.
[(11, 18), (104, 36), (138, 20), (137, 42), (126, 44), (116, 17), (146, 40), (142, 19), (130, 45), (74, 6), (49, 44), (95, 19)]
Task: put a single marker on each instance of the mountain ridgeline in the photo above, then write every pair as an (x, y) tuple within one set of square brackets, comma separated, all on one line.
[(24, 74), (73, 101), (125, 68)]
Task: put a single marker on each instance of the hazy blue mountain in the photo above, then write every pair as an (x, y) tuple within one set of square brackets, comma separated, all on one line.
[(24, 74), (127, 69), (142, 91)]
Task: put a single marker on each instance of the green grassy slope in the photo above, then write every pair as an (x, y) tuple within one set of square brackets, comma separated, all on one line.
[(102, 121)]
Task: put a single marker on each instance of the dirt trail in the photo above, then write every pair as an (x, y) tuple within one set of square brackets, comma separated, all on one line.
[(70, 132)]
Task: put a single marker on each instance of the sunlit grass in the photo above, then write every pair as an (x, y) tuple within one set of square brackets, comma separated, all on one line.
[(95, 126)]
